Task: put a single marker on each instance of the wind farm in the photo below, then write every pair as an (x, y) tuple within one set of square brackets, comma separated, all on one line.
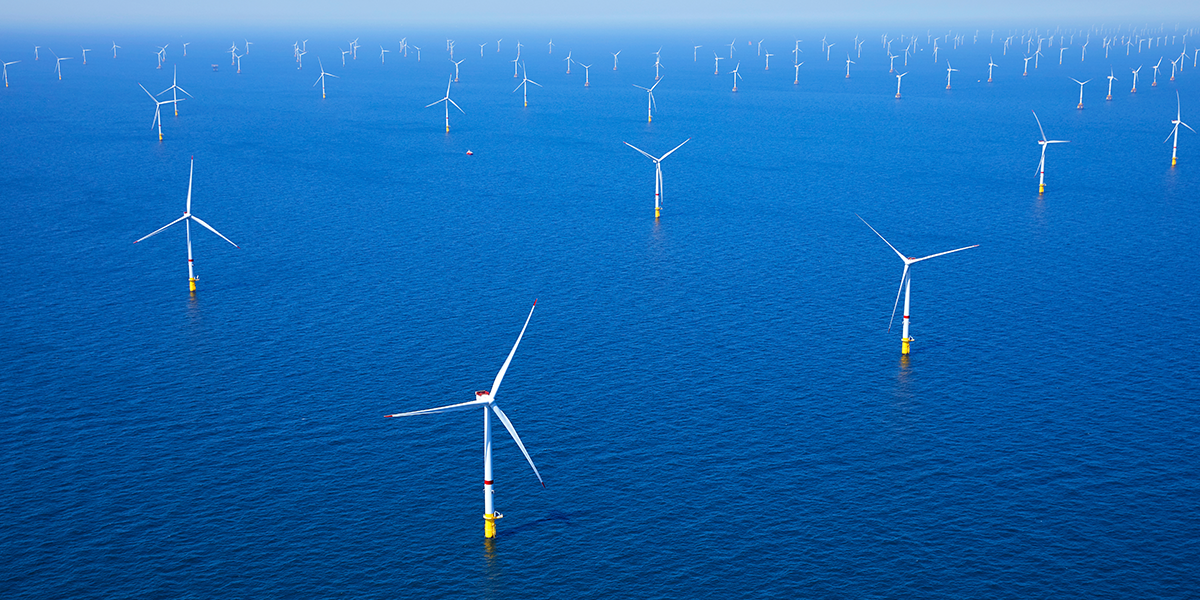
[(713, 383)]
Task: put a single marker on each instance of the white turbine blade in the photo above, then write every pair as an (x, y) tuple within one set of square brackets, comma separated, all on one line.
[(902, 257), (441, 409), (640, 87), (1173, 130), (516, 438), (209, 227), (903, 278), (148, 93), (1188, 126), (332, 75), (160, 229), (184, 91), (535, 83), (518, 86), (655, 83), (675, 148), (1035, 118), (644, 153), (456, 105), (943, 253), (435, 103), (503, 369)]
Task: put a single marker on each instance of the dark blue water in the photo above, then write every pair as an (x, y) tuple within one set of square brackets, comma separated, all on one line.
[(713, 399)]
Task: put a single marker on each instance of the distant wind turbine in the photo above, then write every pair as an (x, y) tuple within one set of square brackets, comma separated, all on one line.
[(157, 122), (898, 83), (447, 101), (587, 82), (949, 70), (456, 63), (6, 71), (1175, 130), (1080, 91), (736, 75), (321, 79), (114, 49), (1045, 143), (615, 58), (525, 81), (172, 89), (649, 97), (990, 65), (58, 64), (187, 218), (1135, 76), (906, 285), (1110, 80), (658, 179)]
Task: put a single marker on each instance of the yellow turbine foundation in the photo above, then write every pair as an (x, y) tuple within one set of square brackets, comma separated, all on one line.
[(904, 345), (1172, 161), (1041, 189), (489, 526), (657, 212), (192, 284)]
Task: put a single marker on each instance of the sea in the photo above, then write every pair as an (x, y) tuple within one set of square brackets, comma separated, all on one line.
[(713, 397)]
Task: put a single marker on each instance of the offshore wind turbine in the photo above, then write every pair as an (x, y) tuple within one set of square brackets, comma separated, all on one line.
[(86, 50), (6, 71), (1175, 130), (658, 181), (185, 45), (58, 64), (175, 86), (694, 49), (587, 82), (35, 52), (906, 285), (1135, 76), (797, 80), (898, 83), (239, 62), (456, 63), (568, 59), (1080, 91), (187, 218), (1026, 73), (1174, 63), (487, 400), (1155, 82), (949, 70), (157, 110), (768, 56), (736, 75), (717, 63), (321, 79), (448, 102), (990, 65), (848, 63), (383, 55), (114, 49), (1110, 80), (615, 58), (525, 81), (1041, 168), (892, 62), (649, 98)]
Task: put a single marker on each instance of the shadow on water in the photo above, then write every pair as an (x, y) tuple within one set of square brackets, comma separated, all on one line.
[(554, 517)]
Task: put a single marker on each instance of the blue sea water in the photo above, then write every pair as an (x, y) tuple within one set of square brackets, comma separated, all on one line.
[(713, 398)]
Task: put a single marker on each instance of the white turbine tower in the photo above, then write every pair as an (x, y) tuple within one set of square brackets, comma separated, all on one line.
[(174, 95), (321, 79), (797, 80), (448, 102), (1175, 130), (1111, 79), (736, 75), (990, 65), (587, 82), (615, 58), (1042, 163), (1154, 83), (456, 63), (650, 106), (1133, 90), (157, 110), (114, 49), (898, 83), (906, 285), (187, 218), (1080, 90), (487, 400), (658, 183)]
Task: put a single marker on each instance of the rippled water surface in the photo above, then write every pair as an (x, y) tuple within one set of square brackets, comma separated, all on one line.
[(713, 398)]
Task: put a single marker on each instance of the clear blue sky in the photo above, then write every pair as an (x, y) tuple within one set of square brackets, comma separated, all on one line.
[(538, 13)]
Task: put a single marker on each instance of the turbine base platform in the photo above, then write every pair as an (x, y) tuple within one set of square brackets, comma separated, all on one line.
[(192, 284), (1109, 97), (897, 95), (489, 525), (1172, 162), (904, 348), (1041, 189)]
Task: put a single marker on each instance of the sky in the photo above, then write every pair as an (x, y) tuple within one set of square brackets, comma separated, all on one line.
[(589, 13)]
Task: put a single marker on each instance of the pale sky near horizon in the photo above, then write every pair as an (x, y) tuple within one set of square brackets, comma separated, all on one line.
[(540, 13)]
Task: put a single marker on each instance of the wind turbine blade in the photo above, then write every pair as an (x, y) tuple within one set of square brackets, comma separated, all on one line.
[(943, 253), (675, 148), (518, 86), (456, 105), (1188, 126), (535, 83), (903, 278), (902, 257), (160, 229), (184, 91), (644, 153), (655, 84), (1173, 130), (435, 103), (1035, 118), (640, 87), (441, 409), (149, 94), (503, 369), (209, 227), (516, 438)]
